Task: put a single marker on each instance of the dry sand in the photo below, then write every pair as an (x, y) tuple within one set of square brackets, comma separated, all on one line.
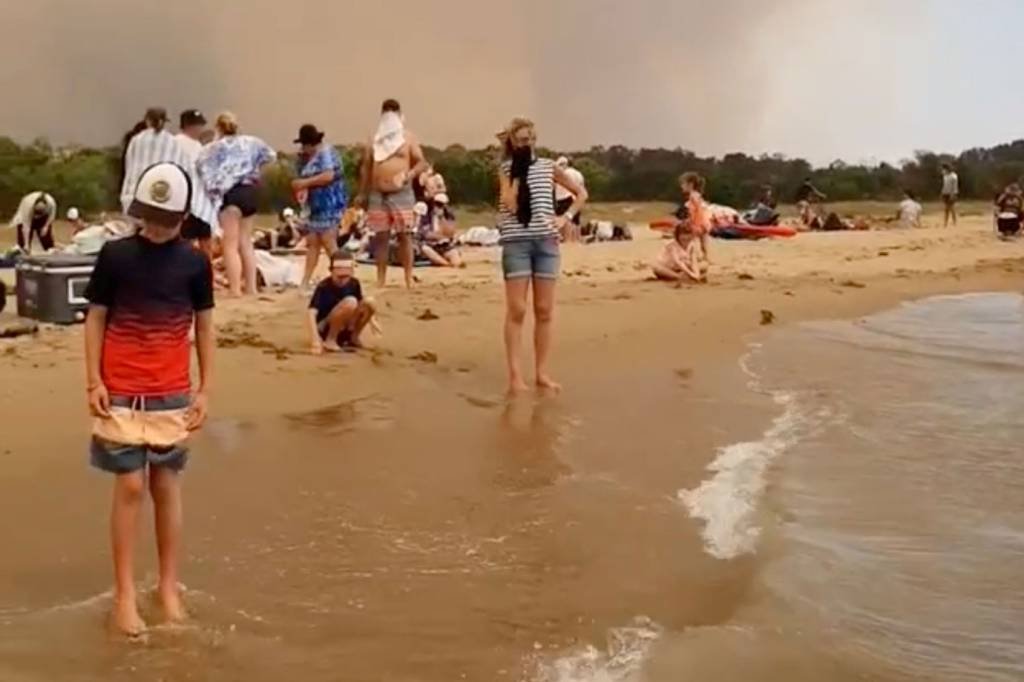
[(607, 304)]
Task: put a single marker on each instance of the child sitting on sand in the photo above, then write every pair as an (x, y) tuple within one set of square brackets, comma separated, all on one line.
[(693, 186), (682, 258)]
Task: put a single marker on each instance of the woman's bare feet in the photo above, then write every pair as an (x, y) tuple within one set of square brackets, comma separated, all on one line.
[(172, 605), (517, 386), (546, 383), (125, 618)]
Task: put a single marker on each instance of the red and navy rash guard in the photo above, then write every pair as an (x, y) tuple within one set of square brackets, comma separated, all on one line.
[(151, 292)]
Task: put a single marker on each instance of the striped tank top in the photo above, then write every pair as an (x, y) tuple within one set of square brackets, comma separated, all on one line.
[(542, 200)]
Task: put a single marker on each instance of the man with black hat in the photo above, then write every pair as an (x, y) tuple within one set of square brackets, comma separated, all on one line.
[(201, 224), (320, 188)]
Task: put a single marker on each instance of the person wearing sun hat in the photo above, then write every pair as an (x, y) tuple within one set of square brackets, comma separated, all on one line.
[(320, 185), (145, 295)]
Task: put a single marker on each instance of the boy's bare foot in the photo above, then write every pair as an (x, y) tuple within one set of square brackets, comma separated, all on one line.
[(332, 347), (172, 605), (125, 618), (546, 383)]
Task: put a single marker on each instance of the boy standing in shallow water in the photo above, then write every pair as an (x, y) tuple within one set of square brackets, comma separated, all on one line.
[(145, 294)]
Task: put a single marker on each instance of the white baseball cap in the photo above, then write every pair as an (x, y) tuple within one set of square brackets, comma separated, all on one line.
[(441, 198), (73, 213), (288, 212), (163, 193)]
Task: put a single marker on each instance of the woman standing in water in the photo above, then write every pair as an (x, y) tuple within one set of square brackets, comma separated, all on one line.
[(231, 168), (322, 182), (530, 251)]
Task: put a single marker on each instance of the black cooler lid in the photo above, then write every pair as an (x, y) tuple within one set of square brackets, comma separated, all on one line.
[(56, 260)]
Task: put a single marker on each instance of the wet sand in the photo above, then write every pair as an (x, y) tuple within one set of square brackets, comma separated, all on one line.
[(389, 515)]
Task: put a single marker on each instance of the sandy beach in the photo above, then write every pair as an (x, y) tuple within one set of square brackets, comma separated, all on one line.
[(388, 515)]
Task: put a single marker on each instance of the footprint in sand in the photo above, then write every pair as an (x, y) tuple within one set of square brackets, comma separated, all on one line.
[(477, 401)]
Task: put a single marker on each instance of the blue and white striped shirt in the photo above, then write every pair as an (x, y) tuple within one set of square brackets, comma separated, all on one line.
[(541, 179), (148, 148)]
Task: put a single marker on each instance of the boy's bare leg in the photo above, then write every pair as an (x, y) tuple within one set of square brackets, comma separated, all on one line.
[(339, 319), (129, 491), (165, 487), (364, 313)]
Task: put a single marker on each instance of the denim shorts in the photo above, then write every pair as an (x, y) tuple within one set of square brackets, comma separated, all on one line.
[(141, 432), (531, 258)]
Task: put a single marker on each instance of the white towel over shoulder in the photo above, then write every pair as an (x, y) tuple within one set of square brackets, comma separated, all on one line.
[(390, 136)]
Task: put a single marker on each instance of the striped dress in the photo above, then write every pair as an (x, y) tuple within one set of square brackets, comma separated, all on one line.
[(542, 200)]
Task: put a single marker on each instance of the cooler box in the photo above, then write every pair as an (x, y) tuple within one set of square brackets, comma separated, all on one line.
[(51, 288)]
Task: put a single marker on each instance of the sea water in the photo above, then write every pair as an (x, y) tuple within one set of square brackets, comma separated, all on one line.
[(883, 509)]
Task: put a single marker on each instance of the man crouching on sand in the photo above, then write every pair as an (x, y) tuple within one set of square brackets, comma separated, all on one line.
[(338, 313), (145, 294)]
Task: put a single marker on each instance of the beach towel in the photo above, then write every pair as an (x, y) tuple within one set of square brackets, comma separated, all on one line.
[(480, 236), (278, 271), (722, 216), (390, 136)]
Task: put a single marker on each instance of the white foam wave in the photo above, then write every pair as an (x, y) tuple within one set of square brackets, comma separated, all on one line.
[(728, 501), (621, 661)]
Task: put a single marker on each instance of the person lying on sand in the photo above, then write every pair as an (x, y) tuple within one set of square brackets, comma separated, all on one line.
[(338, 313), (681, 259)]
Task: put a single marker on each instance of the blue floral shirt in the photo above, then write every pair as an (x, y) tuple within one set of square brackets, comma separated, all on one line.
[(327, 202), (233, 160)]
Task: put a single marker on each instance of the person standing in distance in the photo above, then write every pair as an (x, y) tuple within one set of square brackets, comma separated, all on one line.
[(153, 145), (950, 193), (201, 224), (529, 246), (564, 198), (390, 162)]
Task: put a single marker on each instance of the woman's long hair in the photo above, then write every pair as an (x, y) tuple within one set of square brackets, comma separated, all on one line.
[(122, 171)]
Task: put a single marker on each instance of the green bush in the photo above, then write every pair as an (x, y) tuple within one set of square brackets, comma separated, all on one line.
[(87, 178)]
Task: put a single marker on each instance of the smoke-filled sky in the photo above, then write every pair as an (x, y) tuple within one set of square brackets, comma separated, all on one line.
[(824, 79)]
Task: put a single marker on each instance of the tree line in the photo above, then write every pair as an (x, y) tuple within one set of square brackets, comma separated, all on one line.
[(87, 178)]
